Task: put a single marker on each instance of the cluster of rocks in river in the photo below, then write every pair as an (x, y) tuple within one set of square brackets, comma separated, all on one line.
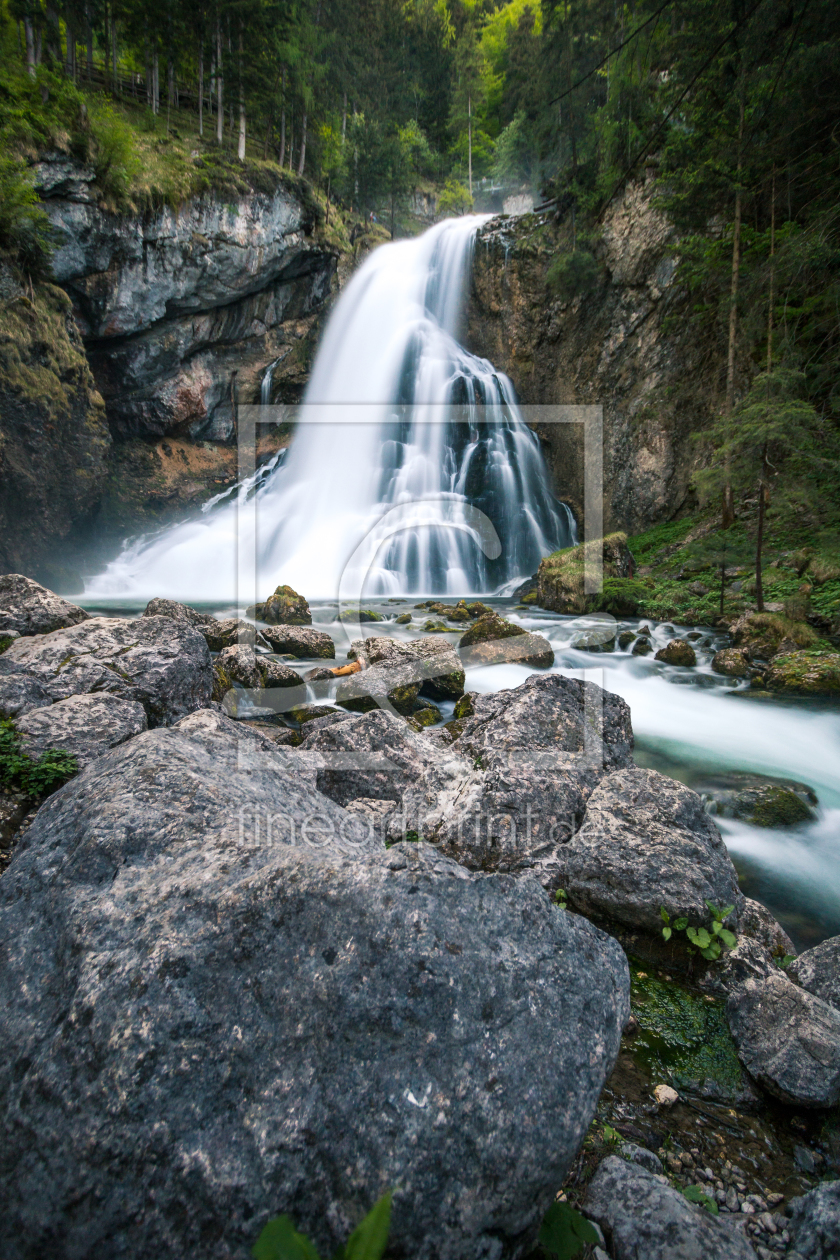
[(241, 978)]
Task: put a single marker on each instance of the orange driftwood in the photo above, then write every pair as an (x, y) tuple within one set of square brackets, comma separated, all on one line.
[(353, 668)]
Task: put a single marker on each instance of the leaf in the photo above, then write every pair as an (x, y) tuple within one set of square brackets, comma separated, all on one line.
[(787, 960), (729, 939), (666, 932), (666, 918), (711, 951), (725, 913), (370, 1237), (564, 1231), (280, 1240), (696, 1194), (699, 937), (680, 924)]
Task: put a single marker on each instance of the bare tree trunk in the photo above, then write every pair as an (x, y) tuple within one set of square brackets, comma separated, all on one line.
[(240, 151), (728, 506), (156, 82), (114, 51), (70, 56), (283, 121), (759, 542), (88, 43), (772, 274), (30, 45), (302, 145), (201, 89), (220, 112), (469, 141), (344, 120), (53, 40)]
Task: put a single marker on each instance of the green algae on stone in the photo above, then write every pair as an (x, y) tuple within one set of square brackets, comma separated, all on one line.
[(683, 1036), (489, 628), (465, 707), (804, 673)]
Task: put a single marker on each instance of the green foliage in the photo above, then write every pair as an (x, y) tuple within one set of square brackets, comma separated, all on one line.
[(24, 227), (572, 275), (115, 158), (696, 1194), (708, 941), (21, 773), (647, 547), (279, 1240), (454, 200), (565, 1232)]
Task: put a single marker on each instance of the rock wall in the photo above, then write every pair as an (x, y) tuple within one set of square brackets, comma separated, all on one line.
[(183, 310), (614, 345)]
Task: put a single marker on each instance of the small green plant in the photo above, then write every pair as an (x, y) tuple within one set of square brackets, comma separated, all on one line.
[(280, 1240), (696, 1194), (565, 1231), (611, 1136), (786, 960), (21, 773), (560, 898), (708, 941)]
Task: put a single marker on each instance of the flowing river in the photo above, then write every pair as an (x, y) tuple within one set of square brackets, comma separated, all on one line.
[(400, 420)]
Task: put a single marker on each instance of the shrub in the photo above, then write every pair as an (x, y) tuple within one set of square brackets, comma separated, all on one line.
[(114, 155), (24, 226), (19, 772), (454, 200)]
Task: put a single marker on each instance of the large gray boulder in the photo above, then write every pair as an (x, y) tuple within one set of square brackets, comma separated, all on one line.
[(222, 1003), (85, 726), (524, 765), (815, 1223), (178, 612), (818, 971), (787, 1039), (19, 692), (29, 608), (644, 1218), (431, 661), (301, 641), (163, 664), (647, 842), (374, 756)]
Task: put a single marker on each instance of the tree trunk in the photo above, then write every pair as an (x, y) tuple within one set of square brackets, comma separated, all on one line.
[(772, 274), (728, 506), (70, 57), (302, 160), (201, 90), (30, 45), (469, 141), (759, 541), (344, 121), (88, 43), (240, 151), (283, 119), (114, 52), (220, 111)]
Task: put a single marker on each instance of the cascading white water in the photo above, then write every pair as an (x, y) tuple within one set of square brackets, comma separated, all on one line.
[(407, 449)]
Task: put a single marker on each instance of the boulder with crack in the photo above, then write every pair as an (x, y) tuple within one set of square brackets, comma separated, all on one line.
[(163, 664), (526, 761), (647, 842), (29, 608), (377, 1020), (644, 1218), (815, 1223)]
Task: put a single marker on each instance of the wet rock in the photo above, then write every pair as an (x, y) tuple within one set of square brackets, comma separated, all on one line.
[(818, 970), (404, 619), (561, 575), (84, 726), (29, 608), (436, 627), (525, 763), (163, 664), (804, 673), (625, 638), (300, 641), (227, 633), (759, 799), (240, 664), (285, 607), (815, 1223), (487, 643), (642, 646), (319, 674), (677, 652), (732, 661), (7, 638), (293, 958), (647, 842), (432, 663), (178, 612), (788, 1040), (641, 1155), (644, 1218), (374, 756), (595, 639)]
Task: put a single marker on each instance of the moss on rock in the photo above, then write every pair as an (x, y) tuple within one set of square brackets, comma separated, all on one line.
[(561, 576), (804, 673)]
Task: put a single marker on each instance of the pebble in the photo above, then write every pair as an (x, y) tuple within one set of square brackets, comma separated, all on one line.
[(666, 1096)]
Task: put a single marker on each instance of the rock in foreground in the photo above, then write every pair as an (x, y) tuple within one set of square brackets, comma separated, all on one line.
[(643, 1218), (223, 1024), (818, 971), (84, 726), (163, 664), (29, 608), (815, 1223)]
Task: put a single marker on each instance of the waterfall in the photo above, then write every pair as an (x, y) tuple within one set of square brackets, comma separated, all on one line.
[(411, 469)]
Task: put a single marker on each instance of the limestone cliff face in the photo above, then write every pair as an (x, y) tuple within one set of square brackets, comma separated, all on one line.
[(54, 439), (611, 346), (173, 305)]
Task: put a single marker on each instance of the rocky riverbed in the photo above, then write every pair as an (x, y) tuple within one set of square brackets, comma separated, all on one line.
[(299, 930)]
